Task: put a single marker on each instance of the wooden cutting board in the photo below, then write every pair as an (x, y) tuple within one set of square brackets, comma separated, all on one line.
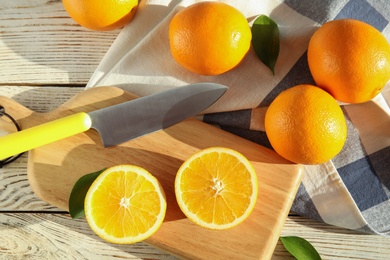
[(53, 169)]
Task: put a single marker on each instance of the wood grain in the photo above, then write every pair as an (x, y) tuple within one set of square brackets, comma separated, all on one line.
[(37, 39), (332, 242), (57, 236), (54, 168)]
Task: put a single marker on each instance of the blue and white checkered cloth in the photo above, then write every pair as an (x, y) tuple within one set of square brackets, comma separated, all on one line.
[(352, 190)]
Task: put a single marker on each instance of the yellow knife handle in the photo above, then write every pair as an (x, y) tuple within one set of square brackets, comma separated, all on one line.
[(25, 140)]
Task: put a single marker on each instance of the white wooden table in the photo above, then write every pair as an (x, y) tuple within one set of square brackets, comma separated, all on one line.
[(45, 59)]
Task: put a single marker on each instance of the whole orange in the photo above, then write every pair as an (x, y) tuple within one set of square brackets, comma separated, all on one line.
[(306, 125), (209, 38), (101, 15), (350, 59)]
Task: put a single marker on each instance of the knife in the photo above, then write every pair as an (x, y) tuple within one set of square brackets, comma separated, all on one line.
[(119, 123)]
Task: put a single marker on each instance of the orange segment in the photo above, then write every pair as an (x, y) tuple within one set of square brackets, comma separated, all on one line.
[(216, 188), (125, 204)]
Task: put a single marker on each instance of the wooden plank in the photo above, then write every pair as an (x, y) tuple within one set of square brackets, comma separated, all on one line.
[(57, 236), (40, 44), (333, 242), (37, 98), (16, 192)]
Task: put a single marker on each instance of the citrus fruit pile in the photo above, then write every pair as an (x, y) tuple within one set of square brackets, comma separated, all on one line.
[(207, 38), (350, 62), (216, 188)]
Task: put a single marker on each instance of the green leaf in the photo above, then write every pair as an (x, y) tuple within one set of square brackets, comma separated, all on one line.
[(300, 248), (78, 193), (265, 40)]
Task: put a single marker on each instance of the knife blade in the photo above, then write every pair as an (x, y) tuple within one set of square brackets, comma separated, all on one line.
[(122, 122)]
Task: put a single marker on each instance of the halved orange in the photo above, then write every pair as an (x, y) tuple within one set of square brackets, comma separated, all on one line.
[(125, 204), (216, 188)]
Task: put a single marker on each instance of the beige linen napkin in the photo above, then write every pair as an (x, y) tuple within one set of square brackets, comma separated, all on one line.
[(140, 60)]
